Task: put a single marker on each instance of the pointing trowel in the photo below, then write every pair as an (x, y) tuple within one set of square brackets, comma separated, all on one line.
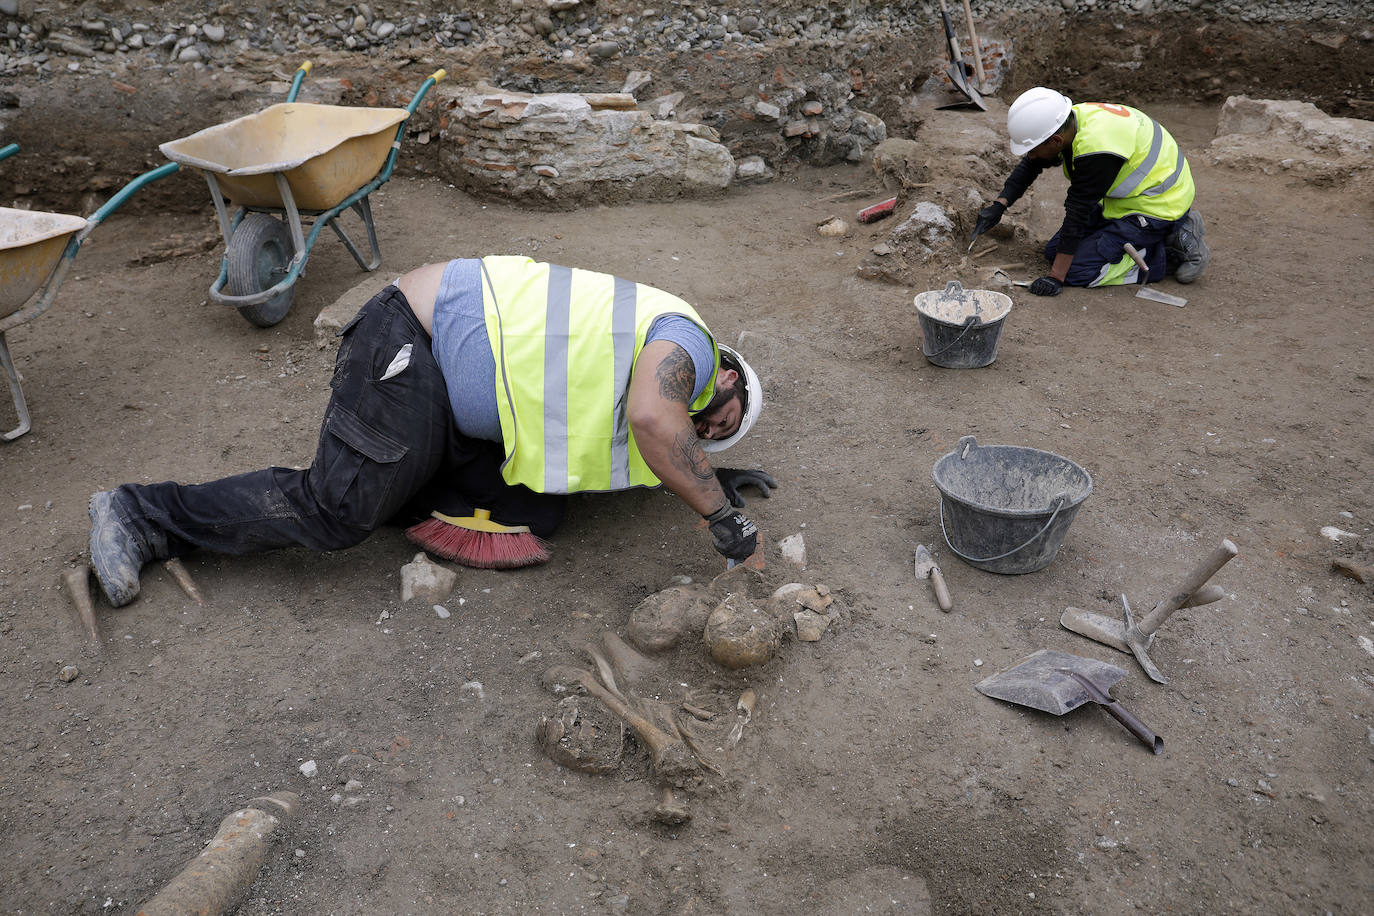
[(926, 568)]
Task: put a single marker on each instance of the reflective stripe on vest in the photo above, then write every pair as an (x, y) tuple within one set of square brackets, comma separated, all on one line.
[(1145, 186), (565, 342)]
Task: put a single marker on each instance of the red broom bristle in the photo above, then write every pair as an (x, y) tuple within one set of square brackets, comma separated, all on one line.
[(480, 549)]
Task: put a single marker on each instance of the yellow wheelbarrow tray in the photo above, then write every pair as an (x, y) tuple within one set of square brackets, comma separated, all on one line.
[(290, 160), (36, 250)]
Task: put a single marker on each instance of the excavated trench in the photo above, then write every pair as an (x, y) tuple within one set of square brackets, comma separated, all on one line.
[(88, 122)]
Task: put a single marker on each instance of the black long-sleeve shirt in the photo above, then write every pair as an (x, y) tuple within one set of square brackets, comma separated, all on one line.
[(1090, 177)]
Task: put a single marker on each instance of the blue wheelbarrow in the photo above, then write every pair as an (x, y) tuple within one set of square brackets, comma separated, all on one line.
[(36, 251), (291, 167)]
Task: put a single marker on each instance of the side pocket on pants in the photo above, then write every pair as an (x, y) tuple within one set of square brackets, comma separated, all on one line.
[(357, 479)]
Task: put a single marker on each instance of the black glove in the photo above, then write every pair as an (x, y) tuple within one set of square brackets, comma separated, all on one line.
[(1046, 286), (731, 479), (989, 216), (736, 537)]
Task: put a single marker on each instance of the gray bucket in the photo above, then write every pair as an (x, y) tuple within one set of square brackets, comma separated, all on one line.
[(960, 328), (1006, 508)]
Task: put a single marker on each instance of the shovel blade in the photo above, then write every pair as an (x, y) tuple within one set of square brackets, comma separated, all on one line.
[(960, 81), (1041, 681)]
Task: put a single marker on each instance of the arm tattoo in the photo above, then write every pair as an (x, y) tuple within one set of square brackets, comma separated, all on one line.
[(676, 376), (689, 456)]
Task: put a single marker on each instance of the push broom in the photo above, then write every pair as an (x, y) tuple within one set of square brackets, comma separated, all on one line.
[(447, 522), (475, 540)]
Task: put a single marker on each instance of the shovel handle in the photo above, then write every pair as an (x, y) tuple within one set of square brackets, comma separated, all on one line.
[(954, 54), (1135, 726), (1118, 712), (1195, 581), (973, 39)]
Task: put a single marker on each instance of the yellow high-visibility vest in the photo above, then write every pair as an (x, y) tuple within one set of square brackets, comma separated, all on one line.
[(565, 341), (1155, 179)]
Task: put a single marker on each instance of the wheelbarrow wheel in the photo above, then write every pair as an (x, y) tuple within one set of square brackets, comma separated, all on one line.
[(260, 252)]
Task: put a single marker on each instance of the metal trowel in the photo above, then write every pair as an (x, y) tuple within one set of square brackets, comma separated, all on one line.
[(1057, 682), (1145, 292)]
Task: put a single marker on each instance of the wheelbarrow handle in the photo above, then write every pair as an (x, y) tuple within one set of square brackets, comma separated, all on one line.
[(424, 88), (123, 194), (296, 81)]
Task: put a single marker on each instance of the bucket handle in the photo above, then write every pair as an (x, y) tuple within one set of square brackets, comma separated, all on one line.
[(1059, 502), (969, 324)]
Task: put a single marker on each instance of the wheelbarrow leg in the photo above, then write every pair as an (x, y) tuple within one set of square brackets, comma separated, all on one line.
[(364, 210), (20, 406)]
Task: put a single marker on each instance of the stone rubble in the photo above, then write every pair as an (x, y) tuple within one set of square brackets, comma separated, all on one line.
[(162, 36)]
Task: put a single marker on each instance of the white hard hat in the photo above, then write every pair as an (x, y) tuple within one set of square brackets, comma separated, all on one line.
[(1034, 116), (753, 399)]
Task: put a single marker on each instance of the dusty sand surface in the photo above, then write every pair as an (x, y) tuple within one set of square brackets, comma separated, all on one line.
[(873, 777)]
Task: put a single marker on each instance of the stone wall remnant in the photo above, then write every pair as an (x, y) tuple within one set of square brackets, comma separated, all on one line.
[(563, 148)]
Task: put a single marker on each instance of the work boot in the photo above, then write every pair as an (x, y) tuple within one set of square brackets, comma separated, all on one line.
[(1186, 247), (117, 553)]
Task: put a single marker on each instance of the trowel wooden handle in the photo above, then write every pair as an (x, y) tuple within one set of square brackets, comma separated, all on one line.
[(1134, 252), (1195, 581), (937, 579)]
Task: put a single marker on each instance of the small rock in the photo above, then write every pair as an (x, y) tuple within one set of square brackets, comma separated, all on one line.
[(977, 663), (752, 168), (68, 673), (441, 611), (309, 769), (474, 688), (767, 111), (793, 548), (810, 625), (214, 33), (353, 786), (422, 578), (833, 227)]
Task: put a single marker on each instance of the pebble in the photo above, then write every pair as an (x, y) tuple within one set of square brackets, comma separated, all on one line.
[(309, 769), (441, 611), (68, 673), (977, 663)]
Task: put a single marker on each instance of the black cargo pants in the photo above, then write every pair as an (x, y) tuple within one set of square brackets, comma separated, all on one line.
[(387, 431)]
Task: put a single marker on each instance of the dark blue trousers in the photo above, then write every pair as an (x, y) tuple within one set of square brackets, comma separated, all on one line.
[(381, 441), (1104, 246)]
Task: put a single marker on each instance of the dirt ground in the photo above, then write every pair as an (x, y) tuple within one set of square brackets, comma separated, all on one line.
[(874, 778)]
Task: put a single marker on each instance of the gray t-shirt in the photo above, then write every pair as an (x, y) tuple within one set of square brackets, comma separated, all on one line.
[(463, 349)]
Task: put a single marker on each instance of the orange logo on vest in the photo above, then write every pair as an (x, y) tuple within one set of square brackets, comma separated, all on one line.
[(1114, 109)]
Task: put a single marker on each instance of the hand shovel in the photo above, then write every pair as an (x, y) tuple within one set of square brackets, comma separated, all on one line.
[(1145, 292), (1057, 682), (927, 569), (957, 74)]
